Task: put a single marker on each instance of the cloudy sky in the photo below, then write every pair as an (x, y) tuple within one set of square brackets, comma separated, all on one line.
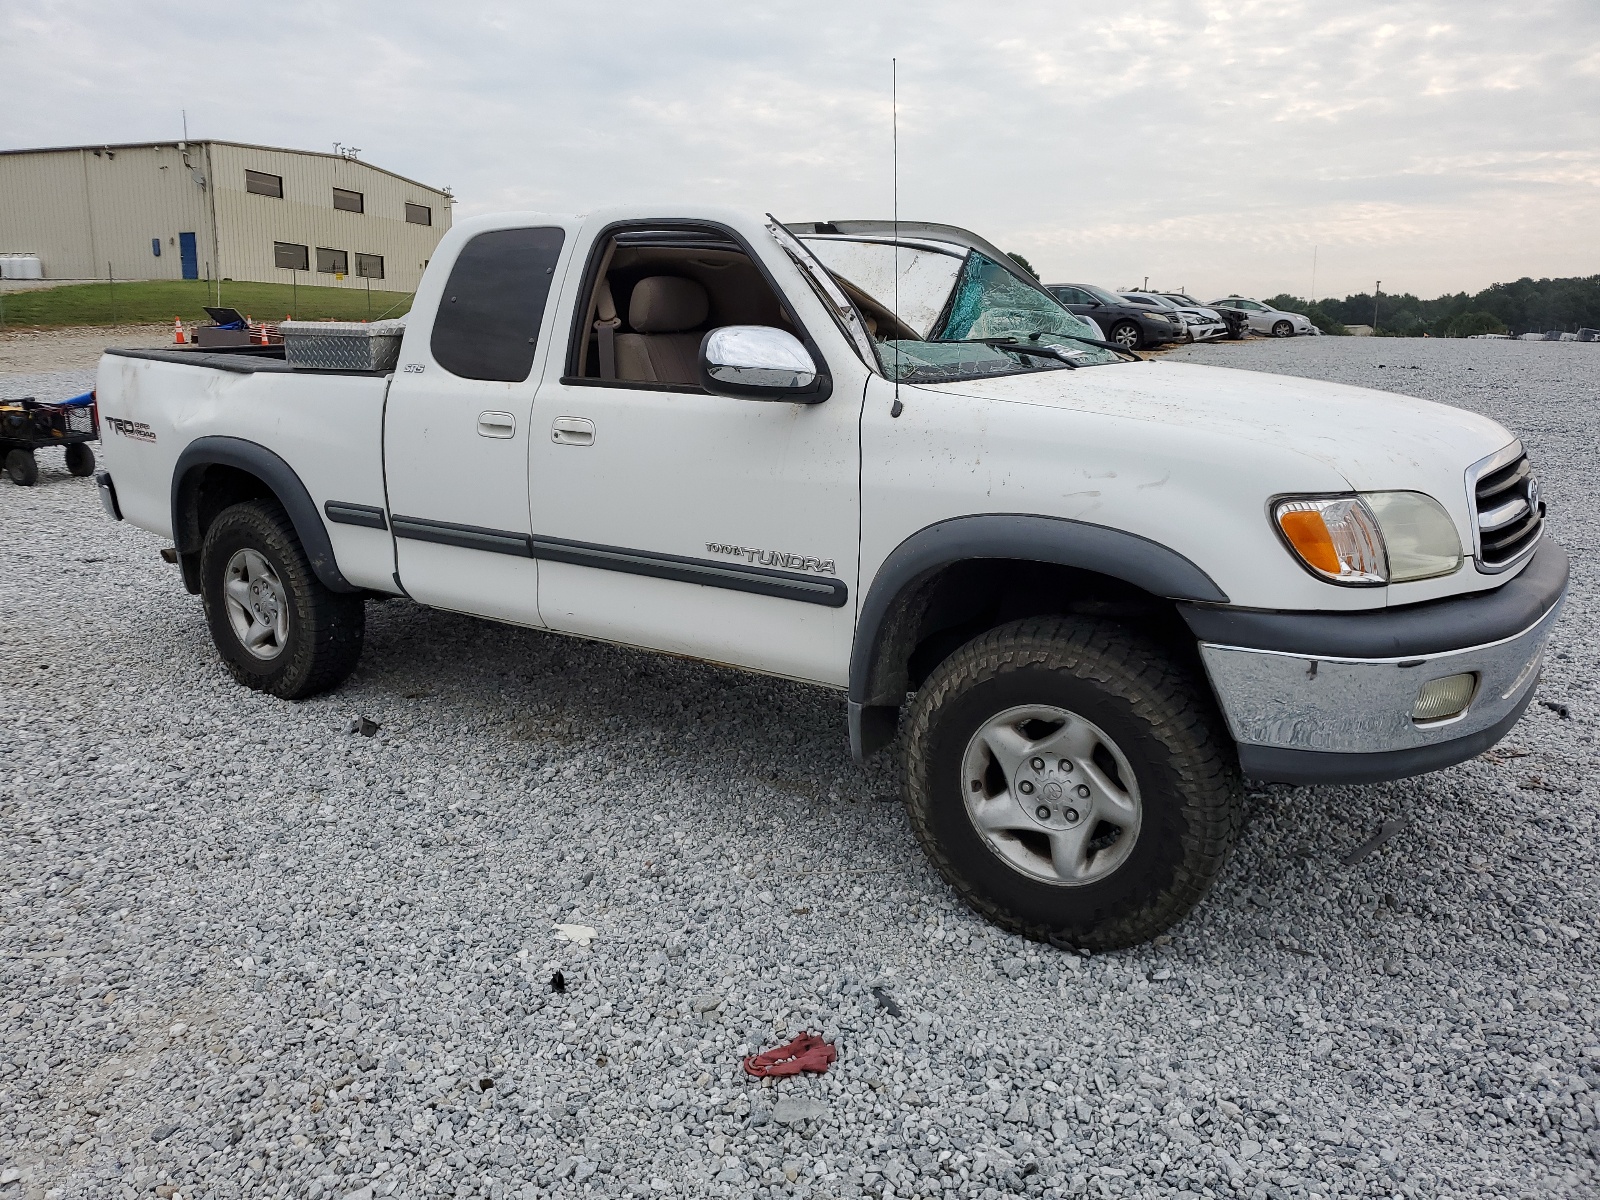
[(1218, 145)]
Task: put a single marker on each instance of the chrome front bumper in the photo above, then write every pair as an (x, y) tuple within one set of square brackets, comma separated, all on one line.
[(1300, 702)]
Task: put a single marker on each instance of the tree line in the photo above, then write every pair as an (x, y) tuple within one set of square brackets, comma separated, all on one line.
[(1526, 306)]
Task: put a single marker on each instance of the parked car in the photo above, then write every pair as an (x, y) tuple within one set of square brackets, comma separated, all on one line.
[(1105, 587), (1199, 324), (1132, 325), (1265, 319), (1237, 321)]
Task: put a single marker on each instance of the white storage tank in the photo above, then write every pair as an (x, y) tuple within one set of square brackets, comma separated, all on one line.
[(21, 266)]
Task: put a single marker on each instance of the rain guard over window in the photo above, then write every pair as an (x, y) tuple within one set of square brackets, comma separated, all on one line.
[(954, 304)]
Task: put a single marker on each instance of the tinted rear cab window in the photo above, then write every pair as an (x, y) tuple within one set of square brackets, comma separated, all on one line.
[(487, 326)]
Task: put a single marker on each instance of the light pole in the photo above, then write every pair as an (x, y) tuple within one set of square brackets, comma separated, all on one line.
[(1377, 290)]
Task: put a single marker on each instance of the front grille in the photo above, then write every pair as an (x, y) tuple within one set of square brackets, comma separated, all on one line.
[(1507, 508)]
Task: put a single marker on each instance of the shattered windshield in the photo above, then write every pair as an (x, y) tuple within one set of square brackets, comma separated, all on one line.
[(959, 315)]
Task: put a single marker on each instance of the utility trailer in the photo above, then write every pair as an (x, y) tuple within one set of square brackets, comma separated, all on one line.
[(28, 425)]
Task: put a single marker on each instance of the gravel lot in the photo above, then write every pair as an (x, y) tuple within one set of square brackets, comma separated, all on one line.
[(25, 352), (244, 952)]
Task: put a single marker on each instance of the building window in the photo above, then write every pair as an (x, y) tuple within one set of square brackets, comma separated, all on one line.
[(290, 257), (263, 184), (347, 201), (369, 266), (419, 214), (333, 262)]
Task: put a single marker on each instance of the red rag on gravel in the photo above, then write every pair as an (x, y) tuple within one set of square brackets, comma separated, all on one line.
[(808, 1052)]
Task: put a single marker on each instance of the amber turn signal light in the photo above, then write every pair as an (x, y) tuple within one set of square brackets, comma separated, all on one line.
[(1308, 534)]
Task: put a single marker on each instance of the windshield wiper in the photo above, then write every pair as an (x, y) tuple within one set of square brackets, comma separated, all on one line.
[(1016, 347), (1116, 346), (1032, 347)]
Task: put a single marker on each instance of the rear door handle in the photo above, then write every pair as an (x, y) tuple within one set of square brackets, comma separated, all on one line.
[(496, 425), (572, 431)]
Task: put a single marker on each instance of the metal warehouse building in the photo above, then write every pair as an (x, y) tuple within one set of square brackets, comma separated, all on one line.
[(204, 210)]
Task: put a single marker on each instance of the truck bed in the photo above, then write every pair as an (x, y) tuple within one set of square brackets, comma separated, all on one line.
[(326, 425)]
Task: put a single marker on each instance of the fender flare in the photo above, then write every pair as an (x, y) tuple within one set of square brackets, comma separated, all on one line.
[(279, 476), (873, 700)]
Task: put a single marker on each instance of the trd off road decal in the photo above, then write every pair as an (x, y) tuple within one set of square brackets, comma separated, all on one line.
[(137, 430), (775, 558)]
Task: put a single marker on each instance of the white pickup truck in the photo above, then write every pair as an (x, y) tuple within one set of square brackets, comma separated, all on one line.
[(1086, 592)]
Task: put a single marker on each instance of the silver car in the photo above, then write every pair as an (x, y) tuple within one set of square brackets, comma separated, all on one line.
[(1201, 324), (1268, 320)]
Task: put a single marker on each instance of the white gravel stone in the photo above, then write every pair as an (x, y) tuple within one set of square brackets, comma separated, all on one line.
[(317, 964)]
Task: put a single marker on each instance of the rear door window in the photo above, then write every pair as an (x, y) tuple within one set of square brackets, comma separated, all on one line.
[(488, 322)]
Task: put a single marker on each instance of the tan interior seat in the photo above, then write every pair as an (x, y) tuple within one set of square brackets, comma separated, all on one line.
[(661, 312)]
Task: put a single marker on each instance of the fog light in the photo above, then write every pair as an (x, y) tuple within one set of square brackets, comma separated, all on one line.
[(1441, 699)]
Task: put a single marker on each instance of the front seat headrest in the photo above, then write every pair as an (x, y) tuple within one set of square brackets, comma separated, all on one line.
[(667, 304)]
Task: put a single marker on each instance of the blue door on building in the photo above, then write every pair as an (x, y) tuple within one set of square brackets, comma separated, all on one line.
[(188, 257)]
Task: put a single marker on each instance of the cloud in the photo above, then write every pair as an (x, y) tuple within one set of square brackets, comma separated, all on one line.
[(1211, 143)]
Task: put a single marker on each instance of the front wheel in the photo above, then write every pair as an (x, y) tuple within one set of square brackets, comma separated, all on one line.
[(22, 467), (80, 459), (1282, 329), (1071, 782), (278, 628), (1126, 333)]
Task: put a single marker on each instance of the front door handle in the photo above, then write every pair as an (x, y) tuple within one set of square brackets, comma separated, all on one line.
[(572, 431), (496, 425)]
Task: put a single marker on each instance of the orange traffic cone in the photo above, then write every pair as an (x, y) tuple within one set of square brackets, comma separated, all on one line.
[(177, 332)]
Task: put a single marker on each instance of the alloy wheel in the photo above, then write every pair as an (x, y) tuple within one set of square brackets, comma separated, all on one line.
[(257, 604), (1051, 794)]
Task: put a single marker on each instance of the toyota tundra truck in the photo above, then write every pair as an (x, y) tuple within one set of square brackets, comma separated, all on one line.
[(1086, 593)]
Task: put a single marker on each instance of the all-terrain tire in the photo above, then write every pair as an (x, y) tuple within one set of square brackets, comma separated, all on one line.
[(1166, 726), (325, 628)]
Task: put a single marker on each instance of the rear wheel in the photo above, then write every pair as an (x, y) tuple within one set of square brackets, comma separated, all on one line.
[(22, 467), (1282, 329), (1071, 782), (1126, 333), (278, 628), (80, 459)]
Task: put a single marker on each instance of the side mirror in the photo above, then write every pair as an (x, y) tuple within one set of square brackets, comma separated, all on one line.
[(760, 362)]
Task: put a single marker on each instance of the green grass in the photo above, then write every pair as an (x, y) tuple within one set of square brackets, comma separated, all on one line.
[(158, 301)]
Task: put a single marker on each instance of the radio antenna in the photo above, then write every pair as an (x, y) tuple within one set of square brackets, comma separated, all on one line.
[(894, 126)]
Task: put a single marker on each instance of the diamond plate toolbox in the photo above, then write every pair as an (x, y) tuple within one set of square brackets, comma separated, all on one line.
[(342, 345)]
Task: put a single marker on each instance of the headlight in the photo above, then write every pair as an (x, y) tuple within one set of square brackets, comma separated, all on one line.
[(1371, 538)]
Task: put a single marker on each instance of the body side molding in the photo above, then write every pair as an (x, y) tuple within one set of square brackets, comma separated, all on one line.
[(257, 460), (468, 537), (761, 581), (343, 512), (878, 657)]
